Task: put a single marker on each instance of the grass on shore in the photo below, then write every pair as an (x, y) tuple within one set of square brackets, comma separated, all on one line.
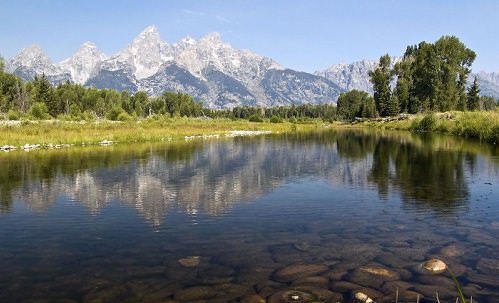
[(65, 132), (480, 125)]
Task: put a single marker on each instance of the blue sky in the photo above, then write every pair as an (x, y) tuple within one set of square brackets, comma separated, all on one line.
[(305, 35)]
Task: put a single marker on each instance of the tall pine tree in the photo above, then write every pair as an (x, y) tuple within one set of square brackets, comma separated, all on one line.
[(473, 99), (381, 78)]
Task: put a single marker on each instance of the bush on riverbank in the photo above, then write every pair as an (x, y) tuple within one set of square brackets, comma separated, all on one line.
[(482, 125)]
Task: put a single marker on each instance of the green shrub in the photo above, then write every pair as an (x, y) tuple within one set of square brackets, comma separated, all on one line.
[(114, 112), (292, 120), (255, 118), (75, 111), (124, 117), (428, 123), (88, 116), (13, 115), (39, 111), (275, 119)]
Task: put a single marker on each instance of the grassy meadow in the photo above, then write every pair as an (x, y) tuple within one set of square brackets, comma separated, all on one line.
[(153, 129)]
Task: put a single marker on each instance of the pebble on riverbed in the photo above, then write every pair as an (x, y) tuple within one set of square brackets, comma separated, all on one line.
[(434, 266)]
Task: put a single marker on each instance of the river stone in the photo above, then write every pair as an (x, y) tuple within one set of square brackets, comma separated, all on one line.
[(107, 294), (483, 279), (434, 266), (457, 268), (488, 266), (293, 272), (371, 293), (436, 280), (315, 281), (444, 293), (380, 271), (404, 296), (195, 293), (392, 286), (415, 254), (252, 299), (453, 250), (479, 237), (360, 297), (372, 276), (291, 296), (322, 294), (343, 286), (392, 260), (302, 246), (335, 275), (192, 261)]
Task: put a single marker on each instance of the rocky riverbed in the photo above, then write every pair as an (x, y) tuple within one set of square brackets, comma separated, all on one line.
[(321, 267)]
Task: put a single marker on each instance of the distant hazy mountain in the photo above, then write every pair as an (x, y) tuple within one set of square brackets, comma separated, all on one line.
[(350, 76), (209, 69), (488, 83)]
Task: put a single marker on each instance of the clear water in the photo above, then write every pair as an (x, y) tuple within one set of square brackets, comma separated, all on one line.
[(110, 224)]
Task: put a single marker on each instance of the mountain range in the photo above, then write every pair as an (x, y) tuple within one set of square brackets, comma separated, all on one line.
[(209, 69)]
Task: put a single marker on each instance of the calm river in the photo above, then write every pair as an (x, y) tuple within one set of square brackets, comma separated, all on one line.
[(281, 218)]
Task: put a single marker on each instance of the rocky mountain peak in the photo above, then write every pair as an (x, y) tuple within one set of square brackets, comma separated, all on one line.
[(32, 56), (212, 38), (83, 62), (145, 54), (188, 40)]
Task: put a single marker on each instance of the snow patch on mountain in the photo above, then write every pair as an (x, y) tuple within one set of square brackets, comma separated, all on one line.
[(83, 62)]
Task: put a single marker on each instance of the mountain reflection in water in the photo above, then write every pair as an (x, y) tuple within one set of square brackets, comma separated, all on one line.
[(210, 177)]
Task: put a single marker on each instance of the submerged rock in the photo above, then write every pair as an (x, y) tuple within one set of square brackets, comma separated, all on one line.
[(195, 293), (344, 286), (361, 297), (293, 272), (291, 296), (315, 281), (253, 299), (453, 250), (192, 261), (302, 246), (380, 271), (434, 266), (404, 296), (372, 276), (307, 294), (488, 266)]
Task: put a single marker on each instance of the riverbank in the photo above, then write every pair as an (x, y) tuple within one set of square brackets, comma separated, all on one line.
[(480, 125), (57, 132)]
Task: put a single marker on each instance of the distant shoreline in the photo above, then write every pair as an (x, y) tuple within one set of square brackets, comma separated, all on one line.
[(18, 134)]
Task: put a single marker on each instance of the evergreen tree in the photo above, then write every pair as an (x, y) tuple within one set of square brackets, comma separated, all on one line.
[(44, 93), (473, 100), (369, 108), (381, 78), (352, 103)]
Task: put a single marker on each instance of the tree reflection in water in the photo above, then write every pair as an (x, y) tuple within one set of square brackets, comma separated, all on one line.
[(211, 176)]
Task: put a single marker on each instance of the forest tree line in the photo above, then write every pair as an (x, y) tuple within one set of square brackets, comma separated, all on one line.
[(39, 99)]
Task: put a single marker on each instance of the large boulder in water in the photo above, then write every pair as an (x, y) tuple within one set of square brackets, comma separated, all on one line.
[(293, 272)]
